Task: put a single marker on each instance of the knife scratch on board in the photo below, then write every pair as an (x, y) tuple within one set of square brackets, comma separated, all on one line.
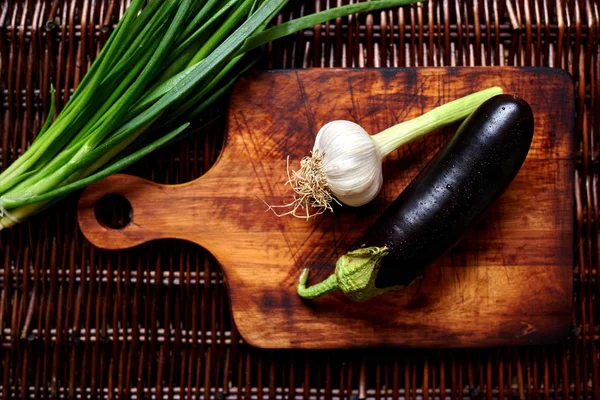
[(527, 329)]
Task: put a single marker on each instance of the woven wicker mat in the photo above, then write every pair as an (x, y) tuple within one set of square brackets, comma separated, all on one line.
[(153, 322)]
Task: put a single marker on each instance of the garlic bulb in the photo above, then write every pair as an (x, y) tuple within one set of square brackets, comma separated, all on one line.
[(346, 162), (351, 162)]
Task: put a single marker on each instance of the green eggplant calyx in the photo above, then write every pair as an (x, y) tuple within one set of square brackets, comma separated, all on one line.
[(355, 274)]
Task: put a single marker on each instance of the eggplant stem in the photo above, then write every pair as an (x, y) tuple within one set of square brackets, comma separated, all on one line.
[(329, 285), (355, 274)]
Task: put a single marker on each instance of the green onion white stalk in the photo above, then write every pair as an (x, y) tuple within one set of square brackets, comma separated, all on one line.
[(166, 61)]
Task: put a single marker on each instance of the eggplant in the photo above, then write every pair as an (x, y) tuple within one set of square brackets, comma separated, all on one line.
[(434, 211)]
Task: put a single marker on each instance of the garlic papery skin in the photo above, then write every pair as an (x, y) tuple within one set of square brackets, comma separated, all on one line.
[(351, 162)]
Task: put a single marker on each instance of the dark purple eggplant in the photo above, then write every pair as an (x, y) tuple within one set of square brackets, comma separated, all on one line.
[(435, 210)]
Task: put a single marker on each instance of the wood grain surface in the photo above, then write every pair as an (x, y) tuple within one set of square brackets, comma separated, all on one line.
[(509, 282)]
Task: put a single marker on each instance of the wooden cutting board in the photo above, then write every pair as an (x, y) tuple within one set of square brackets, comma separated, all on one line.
[(509, 282)]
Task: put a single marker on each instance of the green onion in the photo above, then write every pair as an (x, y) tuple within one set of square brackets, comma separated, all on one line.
[(166, 61)]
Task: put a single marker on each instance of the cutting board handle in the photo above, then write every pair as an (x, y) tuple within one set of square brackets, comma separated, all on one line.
[(154, 212)]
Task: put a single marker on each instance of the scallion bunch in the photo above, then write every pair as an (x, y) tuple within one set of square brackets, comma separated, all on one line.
[(166, 61)]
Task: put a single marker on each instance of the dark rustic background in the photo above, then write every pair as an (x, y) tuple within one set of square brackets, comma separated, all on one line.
[(154, 322)]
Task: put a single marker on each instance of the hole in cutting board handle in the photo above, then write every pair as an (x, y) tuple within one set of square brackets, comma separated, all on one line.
[(113, 211)]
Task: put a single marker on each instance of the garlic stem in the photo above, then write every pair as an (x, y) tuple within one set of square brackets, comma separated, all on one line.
[(405, 132)]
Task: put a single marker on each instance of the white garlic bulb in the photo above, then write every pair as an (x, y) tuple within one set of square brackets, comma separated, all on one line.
[(351, 162), (346, 162)]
